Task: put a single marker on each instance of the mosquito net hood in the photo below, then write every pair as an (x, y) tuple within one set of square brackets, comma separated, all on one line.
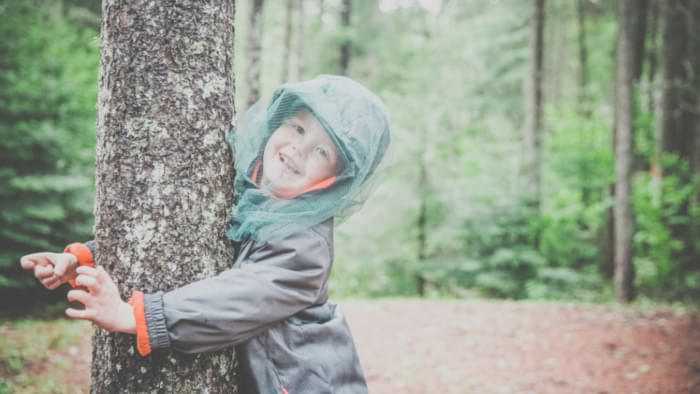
[(345, 116)]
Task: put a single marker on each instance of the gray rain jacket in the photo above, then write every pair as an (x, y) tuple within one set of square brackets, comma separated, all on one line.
[(273, 305)]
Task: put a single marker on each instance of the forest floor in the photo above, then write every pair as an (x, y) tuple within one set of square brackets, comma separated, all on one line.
[(412, 346), (437, 346)]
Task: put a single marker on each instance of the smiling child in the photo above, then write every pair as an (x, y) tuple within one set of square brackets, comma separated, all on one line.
[(304, 162)]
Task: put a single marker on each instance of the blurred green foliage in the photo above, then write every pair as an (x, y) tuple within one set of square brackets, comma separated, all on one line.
[(48, 91), (663, 272), (452, 79)]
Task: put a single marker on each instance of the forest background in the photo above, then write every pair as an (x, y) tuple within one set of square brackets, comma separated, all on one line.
[(504, 156)]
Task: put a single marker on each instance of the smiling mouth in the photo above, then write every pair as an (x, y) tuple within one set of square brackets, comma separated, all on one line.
[(289, 163)]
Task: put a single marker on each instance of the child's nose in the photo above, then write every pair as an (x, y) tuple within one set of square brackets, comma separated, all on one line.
[(298, 151)]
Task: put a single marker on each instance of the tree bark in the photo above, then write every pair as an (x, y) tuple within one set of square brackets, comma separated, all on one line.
[(633, 22), (583, 58), (345, 13), (163, 176), (583, 102), (533, 122), (627, 74), (301, 22), (652, 52), (254, 50), (422, 214), (679, 100), (287, 47), (681, 107), (652, 55), (637, 33)]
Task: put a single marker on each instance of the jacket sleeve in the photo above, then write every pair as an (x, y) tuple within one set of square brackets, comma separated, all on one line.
[(280, 278)]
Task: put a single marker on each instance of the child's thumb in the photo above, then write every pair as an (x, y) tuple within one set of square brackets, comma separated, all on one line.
[(62, 263), (60, 267)]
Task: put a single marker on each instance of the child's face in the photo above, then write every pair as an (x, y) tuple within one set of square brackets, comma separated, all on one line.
[(298, 155)]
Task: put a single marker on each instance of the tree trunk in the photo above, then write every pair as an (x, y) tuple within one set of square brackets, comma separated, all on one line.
[(287, 47), (345, 14), (583, 102), (533, 122), (583, 58), (163, 176), (634, 24), (637, 35), (422, 221), (301, 22), (254, 51), (627, 74), (681, 104), (652, 52)]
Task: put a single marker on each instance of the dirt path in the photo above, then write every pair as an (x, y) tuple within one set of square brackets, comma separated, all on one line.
[(424, 346), (489, 347)]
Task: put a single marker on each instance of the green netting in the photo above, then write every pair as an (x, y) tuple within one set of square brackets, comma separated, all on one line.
[(356, 122)]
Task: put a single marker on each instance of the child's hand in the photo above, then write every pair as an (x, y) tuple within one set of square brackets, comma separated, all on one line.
[(51, 269), (103, 305)]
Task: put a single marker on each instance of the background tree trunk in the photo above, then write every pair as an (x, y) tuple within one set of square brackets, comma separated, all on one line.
[(583, 58), (254, 50), (629, 55), (301, 22), (533, 122), (681, 106), (421, 223), (287, 48), (345, 13), (652, 54), (583, 99), (164, 176), (630, 39)]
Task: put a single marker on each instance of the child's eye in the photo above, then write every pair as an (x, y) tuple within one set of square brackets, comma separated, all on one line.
[(299, 129), (323, 152)]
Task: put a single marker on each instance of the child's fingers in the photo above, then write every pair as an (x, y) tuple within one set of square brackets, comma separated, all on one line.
[(51, 282), (26, 263), (54, 285), (88, 281), (79, 295), (102, 275), (85, 314), (42, 272), (85, 270), (32, 260)]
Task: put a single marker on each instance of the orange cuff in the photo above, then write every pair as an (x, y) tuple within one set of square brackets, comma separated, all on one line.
[(83, 254), (143, 343)]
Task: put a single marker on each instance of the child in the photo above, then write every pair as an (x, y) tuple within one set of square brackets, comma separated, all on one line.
[(307, 159)]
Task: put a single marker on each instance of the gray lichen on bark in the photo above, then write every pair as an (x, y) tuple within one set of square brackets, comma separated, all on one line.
[(164, 175)]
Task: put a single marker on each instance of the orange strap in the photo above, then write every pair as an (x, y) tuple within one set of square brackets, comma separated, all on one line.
[(83, 254), (320, 185), (143, 344)]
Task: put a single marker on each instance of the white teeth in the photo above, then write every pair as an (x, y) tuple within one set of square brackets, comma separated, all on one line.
[(288, 165)]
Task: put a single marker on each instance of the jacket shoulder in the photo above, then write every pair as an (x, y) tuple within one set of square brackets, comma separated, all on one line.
[(324, 229)]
